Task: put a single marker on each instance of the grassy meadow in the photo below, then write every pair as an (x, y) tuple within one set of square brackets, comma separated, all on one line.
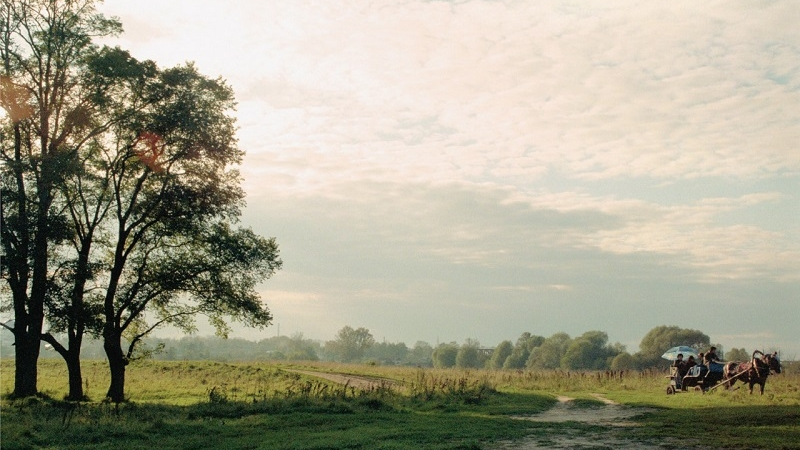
[(211, 405)]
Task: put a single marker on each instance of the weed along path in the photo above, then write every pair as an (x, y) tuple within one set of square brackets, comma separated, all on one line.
[(576, 425)]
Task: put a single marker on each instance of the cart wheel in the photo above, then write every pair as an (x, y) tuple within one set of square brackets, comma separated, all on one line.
[(670, 390)]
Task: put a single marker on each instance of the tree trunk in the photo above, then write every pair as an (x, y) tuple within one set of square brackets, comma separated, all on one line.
[(72, 357), (27, 325), (76, 325), (116, 365), (26, 359), (29, 310), (73, 360), (75, 377)]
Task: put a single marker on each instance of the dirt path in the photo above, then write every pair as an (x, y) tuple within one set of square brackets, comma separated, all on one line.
[(355, 381), (610, 414), (612, 417)]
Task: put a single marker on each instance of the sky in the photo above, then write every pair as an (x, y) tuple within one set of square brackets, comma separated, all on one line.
[(447, 170)]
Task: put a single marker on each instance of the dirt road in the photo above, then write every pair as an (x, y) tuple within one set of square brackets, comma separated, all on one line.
[(355, 381)]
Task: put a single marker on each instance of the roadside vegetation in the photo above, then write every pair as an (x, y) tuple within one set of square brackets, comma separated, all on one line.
[(202, 404)]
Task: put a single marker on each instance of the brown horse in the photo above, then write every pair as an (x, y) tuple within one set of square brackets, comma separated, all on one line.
[(754, 372)]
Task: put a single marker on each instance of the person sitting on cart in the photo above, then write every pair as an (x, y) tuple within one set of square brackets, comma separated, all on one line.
[(712, 360), (711, 356), (701, 363), (680, 369)]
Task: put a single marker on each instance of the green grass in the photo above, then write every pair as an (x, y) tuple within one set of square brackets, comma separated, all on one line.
[(208, 405), (319, 427)]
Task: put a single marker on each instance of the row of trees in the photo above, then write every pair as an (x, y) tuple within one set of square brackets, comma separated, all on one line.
[(120, 200), (589, 351), (278, 348)]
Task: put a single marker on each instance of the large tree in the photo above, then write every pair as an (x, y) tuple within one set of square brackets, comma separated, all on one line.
[(444, 355), (549, 354), (74, 300), (590, 351), (47, 123), (500, 355), (522, 350), (469, 355), (387, 352), (350, 344), (172, 249), (420, 354), (141, 204), (661, 338)]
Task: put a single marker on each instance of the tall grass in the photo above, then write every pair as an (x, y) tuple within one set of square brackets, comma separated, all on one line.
[(266, 405), (205, 405), (191, 382)]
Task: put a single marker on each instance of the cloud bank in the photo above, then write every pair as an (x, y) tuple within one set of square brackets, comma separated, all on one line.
[(439, 170)]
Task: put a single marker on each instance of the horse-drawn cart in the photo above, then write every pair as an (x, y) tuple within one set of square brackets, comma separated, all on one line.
[(699, 377), (707, 378)]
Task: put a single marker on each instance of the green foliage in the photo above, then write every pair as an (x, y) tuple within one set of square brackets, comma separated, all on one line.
[(590, 351), (350, 344), (387, 353), (500, 355), (623, 361), (421, 355), (285, 348), (522, 351), (549, 354), (469, 356), (661, 338), (736, 354), (444, 355)]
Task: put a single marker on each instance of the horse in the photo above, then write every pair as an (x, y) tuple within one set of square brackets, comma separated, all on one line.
[(753, 372)]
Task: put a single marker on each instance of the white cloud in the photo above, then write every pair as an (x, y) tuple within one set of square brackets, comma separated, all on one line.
[(518, 88), (531, 152)]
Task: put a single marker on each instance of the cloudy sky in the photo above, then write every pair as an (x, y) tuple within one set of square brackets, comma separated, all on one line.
[(444, 170)]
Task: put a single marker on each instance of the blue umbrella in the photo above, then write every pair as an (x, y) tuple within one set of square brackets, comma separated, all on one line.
[(672, 354)]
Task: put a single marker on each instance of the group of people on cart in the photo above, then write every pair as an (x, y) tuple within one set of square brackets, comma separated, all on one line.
[(707, 364)]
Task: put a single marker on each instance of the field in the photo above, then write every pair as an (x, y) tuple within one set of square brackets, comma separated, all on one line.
[(208, 405)]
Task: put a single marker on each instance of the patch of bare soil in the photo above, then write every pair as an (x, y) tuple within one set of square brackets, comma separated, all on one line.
[(610, 414), (611, 420)]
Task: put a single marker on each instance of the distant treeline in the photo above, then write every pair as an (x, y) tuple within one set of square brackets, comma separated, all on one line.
[(589, 351)]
